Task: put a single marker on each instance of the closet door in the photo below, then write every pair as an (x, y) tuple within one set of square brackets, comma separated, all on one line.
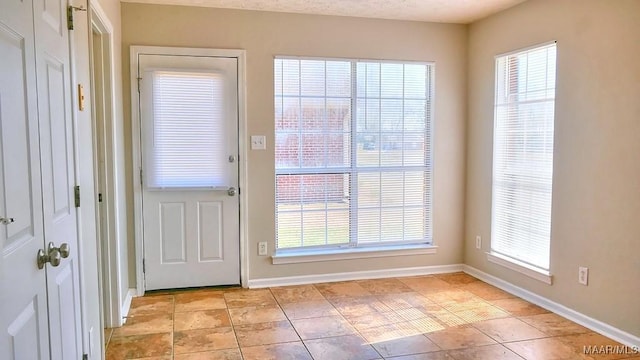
[(57, 167), (23, 293)]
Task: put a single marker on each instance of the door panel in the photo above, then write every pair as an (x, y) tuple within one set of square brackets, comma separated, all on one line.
[(63, 292), (23, 332), (57, 125), (172, 233), (57, 165), (189, 122), (23, 314), (210, 235)]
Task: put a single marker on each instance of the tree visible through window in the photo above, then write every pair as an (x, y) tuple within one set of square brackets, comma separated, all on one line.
[(353, 153)]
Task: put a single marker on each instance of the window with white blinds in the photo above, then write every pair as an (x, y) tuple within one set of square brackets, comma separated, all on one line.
[(353, 153), (523, 155), (184, 142)]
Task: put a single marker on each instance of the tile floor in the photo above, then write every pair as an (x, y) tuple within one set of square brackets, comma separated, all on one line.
[(448, 316)]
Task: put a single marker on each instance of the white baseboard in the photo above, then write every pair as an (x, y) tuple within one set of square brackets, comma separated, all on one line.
[(355, 275), (582, 319), (126, 305)]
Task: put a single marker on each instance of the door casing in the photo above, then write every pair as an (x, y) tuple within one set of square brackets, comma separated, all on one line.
[(135, 51), (109, 241)]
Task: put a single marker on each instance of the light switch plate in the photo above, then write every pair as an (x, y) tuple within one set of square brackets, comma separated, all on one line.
[(258, 142)]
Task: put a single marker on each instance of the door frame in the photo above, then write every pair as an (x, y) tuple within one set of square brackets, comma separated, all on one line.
[(108, 240), (135, 52)]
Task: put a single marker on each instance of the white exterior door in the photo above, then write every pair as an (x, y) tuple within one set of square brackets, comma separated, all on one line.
[(40, 314), (189, 128)]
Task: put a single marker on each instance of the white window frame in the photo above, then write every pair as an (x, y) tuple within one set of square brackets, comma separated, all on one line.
[(497, 256), (353, 249)]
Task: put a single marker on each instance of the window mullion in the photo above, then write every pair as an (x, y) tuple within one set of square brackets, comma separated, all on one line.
[(353, 175)]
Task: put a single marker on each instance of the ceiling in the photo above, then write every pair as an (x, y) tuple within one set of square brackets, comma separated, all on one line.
[(447, 11)]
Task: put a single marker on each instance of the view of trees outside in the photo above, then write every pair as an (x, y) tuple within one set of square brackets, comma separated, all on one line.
[(352, 152)]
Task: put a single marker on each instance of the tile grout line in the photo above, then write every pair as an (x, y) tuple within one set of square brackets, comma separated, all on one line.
[(233, 326), (290, 322)]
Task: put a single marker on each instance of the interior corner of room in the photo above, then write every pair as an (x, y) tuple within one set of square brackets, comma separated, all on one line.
[(118, 54)]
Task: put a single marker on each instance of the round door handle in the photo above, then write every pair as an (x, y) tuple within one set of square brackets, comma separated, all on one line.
[(231, 191), (64, 250), (53, 256), (6, 221)]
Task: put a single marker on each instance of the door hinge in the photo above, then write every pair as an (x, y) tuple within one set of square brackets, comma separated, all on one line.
[(139, 79), (85, 356), (76, 195), (144, 266), (70, 10), (140, 176), (99, 197)]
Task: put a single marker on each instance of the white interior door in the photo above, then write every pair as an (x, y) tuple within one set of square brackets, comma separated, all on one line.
[(40, 306), (189, 127), (23, 310), (57, 167)]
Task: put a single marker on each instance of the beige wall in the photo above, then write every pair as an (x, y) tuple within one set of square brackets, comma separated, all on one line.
[(265, 35), (596, 188)]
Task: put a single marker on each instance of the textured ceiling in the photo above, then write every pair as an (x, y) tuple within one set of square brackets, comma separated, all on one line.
[(449, 11)]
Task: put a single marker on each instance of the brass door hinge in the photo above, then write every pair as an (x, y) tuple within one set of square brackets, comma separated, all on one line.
[(76, 195), (70, 10)]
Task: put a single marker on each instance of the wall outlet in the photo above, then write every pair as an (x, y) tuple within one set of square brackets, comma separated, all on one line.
[(258, 142), (478, 242), (262, 248), (583, 275)]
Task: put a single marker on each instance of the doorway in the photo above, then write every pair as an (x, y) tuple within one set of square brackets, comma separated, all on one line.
[(187, 120), (102, 91)]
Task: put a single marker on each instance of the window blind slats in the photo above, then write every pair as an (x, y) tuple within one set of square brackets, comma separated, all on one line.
[(352, 176), (185, 145), (523, 155)]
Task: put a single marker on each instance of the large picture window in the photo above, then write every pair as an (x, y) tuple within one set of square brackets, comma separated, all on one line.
[(352, 152), (523, 156)]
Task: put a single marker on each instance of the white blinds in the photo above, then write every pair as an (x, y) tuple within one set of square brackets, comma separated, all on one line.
[(353, 151), (184, 142), (523, 155)]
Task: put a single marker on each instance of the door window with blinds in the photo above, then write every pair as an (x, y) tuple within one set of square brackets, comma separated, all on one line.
[(523, 156), (352, 153), (185, 143)]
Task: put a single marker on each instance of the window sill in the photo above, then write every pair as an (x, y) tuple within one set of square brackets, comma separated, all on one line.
[(520, 267), (305, 256)]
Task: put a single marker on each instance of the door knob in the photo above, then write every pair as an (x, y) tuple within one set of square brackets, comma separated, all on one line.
[(64, 250), (53, 256), (231, 191), (6, 221)]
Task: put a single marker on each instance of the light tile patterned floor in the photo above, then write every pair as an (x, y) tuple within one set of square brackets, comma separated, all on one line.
[(448, 316)]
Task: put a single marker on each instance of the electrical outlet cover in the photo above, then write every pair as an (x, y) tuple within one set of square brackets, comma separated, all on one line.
[(583, 275)]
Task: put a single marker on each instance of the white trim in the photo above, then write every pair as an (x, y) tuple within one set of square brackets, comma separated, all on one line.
[(110, 257), (126, 305), (355, 275), (526, 48), (356, 60), (577, 317), (520, 267), (305, 256), (243, 168), (134, 52)]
